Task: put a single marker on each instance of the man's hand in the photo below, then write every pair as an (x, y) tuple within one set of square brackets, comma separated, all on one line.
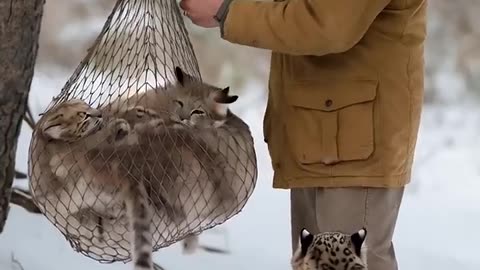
[(202, 12)]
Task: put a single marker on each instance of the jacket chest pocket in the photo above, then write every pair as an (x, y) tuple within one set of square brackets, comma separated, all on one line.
[(331, 122)]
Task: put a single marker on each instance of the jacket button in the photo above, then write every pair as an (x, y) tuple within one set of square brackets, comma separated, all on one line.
[(328, 102)]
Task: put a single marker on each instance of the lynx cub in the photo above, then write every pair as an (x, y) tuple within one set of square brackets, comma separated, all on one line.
[(66, 182), (190, 123), (63, 136), (197, 113)]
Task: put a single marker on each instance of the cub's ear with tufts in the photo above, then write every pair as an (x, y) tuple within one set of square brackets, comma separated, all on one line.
[(226, 90), (179, 75), (182, 77), (223, 97)]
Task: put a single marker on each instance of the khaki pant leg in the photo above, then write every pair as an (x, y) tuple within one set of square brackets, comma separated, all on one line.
[(302, 212), (347, 210)]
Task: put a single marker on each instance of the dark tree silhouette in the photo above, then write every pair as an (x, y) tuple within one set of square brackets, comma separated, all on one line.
[(19, 31)]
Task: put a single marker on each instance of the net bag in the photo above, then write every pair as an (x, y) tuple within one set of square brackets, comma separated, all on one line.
[(110, 138)]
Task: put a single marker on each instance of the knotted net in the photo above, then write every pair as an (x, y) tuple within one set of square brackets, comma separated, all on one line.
[(86, 157)]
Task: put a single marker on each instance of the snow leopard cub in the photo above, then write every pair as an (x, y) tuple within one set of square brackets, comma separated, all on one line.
[(331, 251)]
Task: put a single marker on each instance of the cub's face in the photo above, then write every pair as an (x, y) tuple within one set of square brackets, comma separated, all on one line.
[(331, 251), (198, 104), (70, 121)]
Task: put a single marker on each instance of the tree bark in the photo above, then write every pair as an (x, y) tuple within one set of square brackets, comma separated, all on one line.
[(19, 30)]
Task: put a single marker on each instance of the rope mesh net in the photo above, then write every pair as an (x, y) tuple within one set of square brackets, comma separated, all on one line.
[(107, 132)]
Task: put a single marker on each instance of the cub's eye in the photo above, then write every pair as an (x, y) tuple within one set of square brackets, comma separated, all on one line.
[(140, 112), (197, 112), (179, 103)]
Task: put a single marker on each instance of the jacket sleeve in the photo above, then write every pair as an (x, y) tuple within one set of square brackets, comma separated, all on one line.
[(300, 27)]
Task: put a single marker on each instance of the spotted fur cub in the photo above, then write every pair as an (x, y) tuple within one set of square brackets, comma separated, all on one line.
[(331, 251)]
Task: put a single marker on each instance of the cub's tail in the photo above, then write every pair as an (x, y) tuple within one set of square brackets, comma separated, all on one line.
[(140, 218)]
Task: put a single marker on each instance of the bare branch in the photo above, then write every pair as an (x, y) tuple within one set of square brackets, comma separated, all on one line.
[(20, 175), (16, 262), (24, 199), (28, 117), (157, 267), (214, 250)]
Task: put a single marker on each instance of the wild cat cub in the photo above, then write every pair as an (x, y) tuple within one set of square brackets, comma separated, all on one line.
[(64, 181), (197, 104), (196, 113), (58, 167), (187, 102), (331, 250), (186, 122)]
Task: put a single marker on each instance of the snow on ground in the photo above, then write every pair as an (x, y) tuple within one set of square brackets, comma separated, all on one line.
[(436, 228)]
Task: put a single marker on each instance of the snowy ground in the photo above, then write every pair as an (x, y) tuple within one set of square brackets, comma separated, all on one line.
[(436, 228)]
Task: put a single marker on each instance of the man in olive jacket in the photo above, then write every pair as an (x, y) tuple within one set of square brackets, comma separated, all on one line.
[(345, 97)]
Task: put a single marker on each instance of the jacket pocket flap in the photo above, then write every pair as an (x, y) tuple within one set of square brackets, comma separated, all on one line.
[(331, 95)]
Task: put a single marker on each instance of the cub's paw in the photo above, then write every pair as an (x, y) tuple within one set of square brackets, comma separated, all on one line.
[(144, 113), (150, 126), (156, 123), (119, 129), (179, 126)]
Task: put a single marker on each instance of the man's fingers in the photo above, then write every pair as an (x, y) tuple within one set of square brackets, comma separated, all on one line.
[(185, 5), (196, 21), (194, 18), (202, 22), (197, 13)]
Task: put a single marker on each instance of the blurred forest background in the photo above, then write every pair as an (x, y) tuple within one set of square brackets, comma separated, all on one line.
[(452, 48), (442, 197)]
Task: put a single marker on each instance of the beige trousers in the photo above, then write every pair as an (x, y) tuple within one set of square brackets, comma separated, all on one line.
[(348, 210)]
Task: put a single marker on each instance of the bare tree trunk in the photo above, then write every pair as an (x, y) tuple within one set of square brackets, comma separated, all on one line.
[(19, 30)]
